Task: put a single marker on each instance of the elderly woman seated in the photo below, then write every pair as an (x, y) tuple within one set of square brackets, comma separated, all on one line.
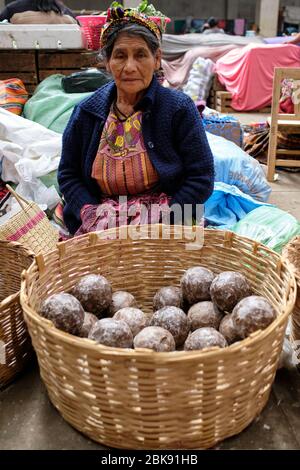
[(133, 138)]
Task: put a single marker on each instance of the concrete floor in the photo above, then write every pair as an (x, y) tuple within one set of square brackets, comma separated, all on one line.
[(29, 421), (286, 193)]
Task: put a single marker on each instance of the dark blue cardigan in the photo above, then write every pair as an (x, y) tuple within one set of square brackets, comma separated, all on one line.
[(173, 135)]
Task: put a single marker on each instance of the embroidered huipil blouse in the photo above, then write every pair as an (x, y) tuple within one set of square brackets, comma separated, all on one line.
[(122, 165)]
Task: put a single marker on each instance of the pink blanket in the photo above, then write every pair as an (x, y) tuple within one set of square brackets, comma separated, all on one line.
[(247, 73), (177, 71)]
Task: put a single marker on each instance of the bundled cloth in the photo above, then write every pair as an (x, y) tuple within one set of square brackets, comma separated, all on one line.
[(256, 141), (177, 70), (13, 95)]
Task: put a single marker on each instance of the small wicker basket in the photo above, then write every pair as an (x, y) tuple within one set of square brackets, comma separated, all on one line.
[(30, 227), (292, 253), (139, 399), (15, 345)]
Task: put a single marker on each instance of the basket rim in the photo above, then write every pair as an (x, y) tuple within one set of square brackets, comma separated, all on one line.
[(17, 245), (8, 301), (87, 344)]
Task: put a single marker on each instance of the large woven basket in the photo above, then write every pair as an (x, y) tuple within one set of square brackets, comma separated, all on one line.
[(15, 344), (30, 227), (139, 399), (292, 252)]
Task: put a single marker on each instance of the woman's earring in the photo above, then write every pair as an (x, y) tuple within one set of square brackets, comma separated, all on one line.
[(160, 76)]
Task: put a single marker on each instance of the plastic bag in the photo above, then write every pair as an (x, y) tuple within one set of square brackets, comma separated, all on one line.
[(235, 167), (35, 190), (85, 81), (28, 149), (200, 78), (268, 225), (227, 205)]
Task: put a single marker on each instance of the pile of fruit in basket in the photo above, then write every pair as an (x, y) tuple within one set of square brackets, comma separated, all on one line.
[(207, 310)]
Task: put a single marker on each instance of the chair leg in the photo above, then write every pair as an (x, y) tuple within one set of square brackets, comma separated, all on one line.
[(272, 153)]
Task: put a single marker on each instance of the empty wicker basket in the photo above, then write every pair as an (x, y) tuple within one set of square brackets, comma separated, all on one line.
[(29, 226), (292, 252), (15, 344), (139, 399)]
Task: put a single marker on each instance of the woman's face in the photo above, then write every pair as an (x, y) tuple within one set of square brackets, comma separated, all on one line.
[(132, 64)]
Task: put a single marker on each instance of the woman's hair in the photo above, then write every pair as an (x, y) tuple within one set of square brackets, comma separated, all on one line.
[(48, 5), (212, 22), (131, 30)]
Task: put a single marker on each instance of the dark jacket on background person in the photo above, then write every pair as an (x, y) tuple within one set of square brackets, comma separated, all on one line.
[(173, 136)]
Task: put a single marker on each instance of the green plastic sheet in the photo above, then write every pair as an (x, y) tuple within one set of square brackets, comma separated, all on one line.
[(268, 225)]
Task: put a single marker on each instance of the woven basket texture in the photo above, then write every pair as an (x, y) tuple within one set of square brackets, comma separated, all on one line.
[(292, 253), (91, 27), (30, 227), (140, 399), (15, 344)]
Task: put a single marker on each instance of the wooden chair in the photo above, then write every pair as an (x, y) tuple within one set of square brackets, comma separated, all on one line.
[(289, 123)]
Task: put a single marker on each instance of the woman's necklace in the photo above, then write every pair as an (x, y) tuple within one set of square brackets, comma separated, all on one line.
[(120, 115)]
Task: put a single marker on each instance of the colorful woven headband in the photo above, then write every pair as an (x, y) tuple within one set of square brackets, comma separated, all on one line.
[(116, 16)]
